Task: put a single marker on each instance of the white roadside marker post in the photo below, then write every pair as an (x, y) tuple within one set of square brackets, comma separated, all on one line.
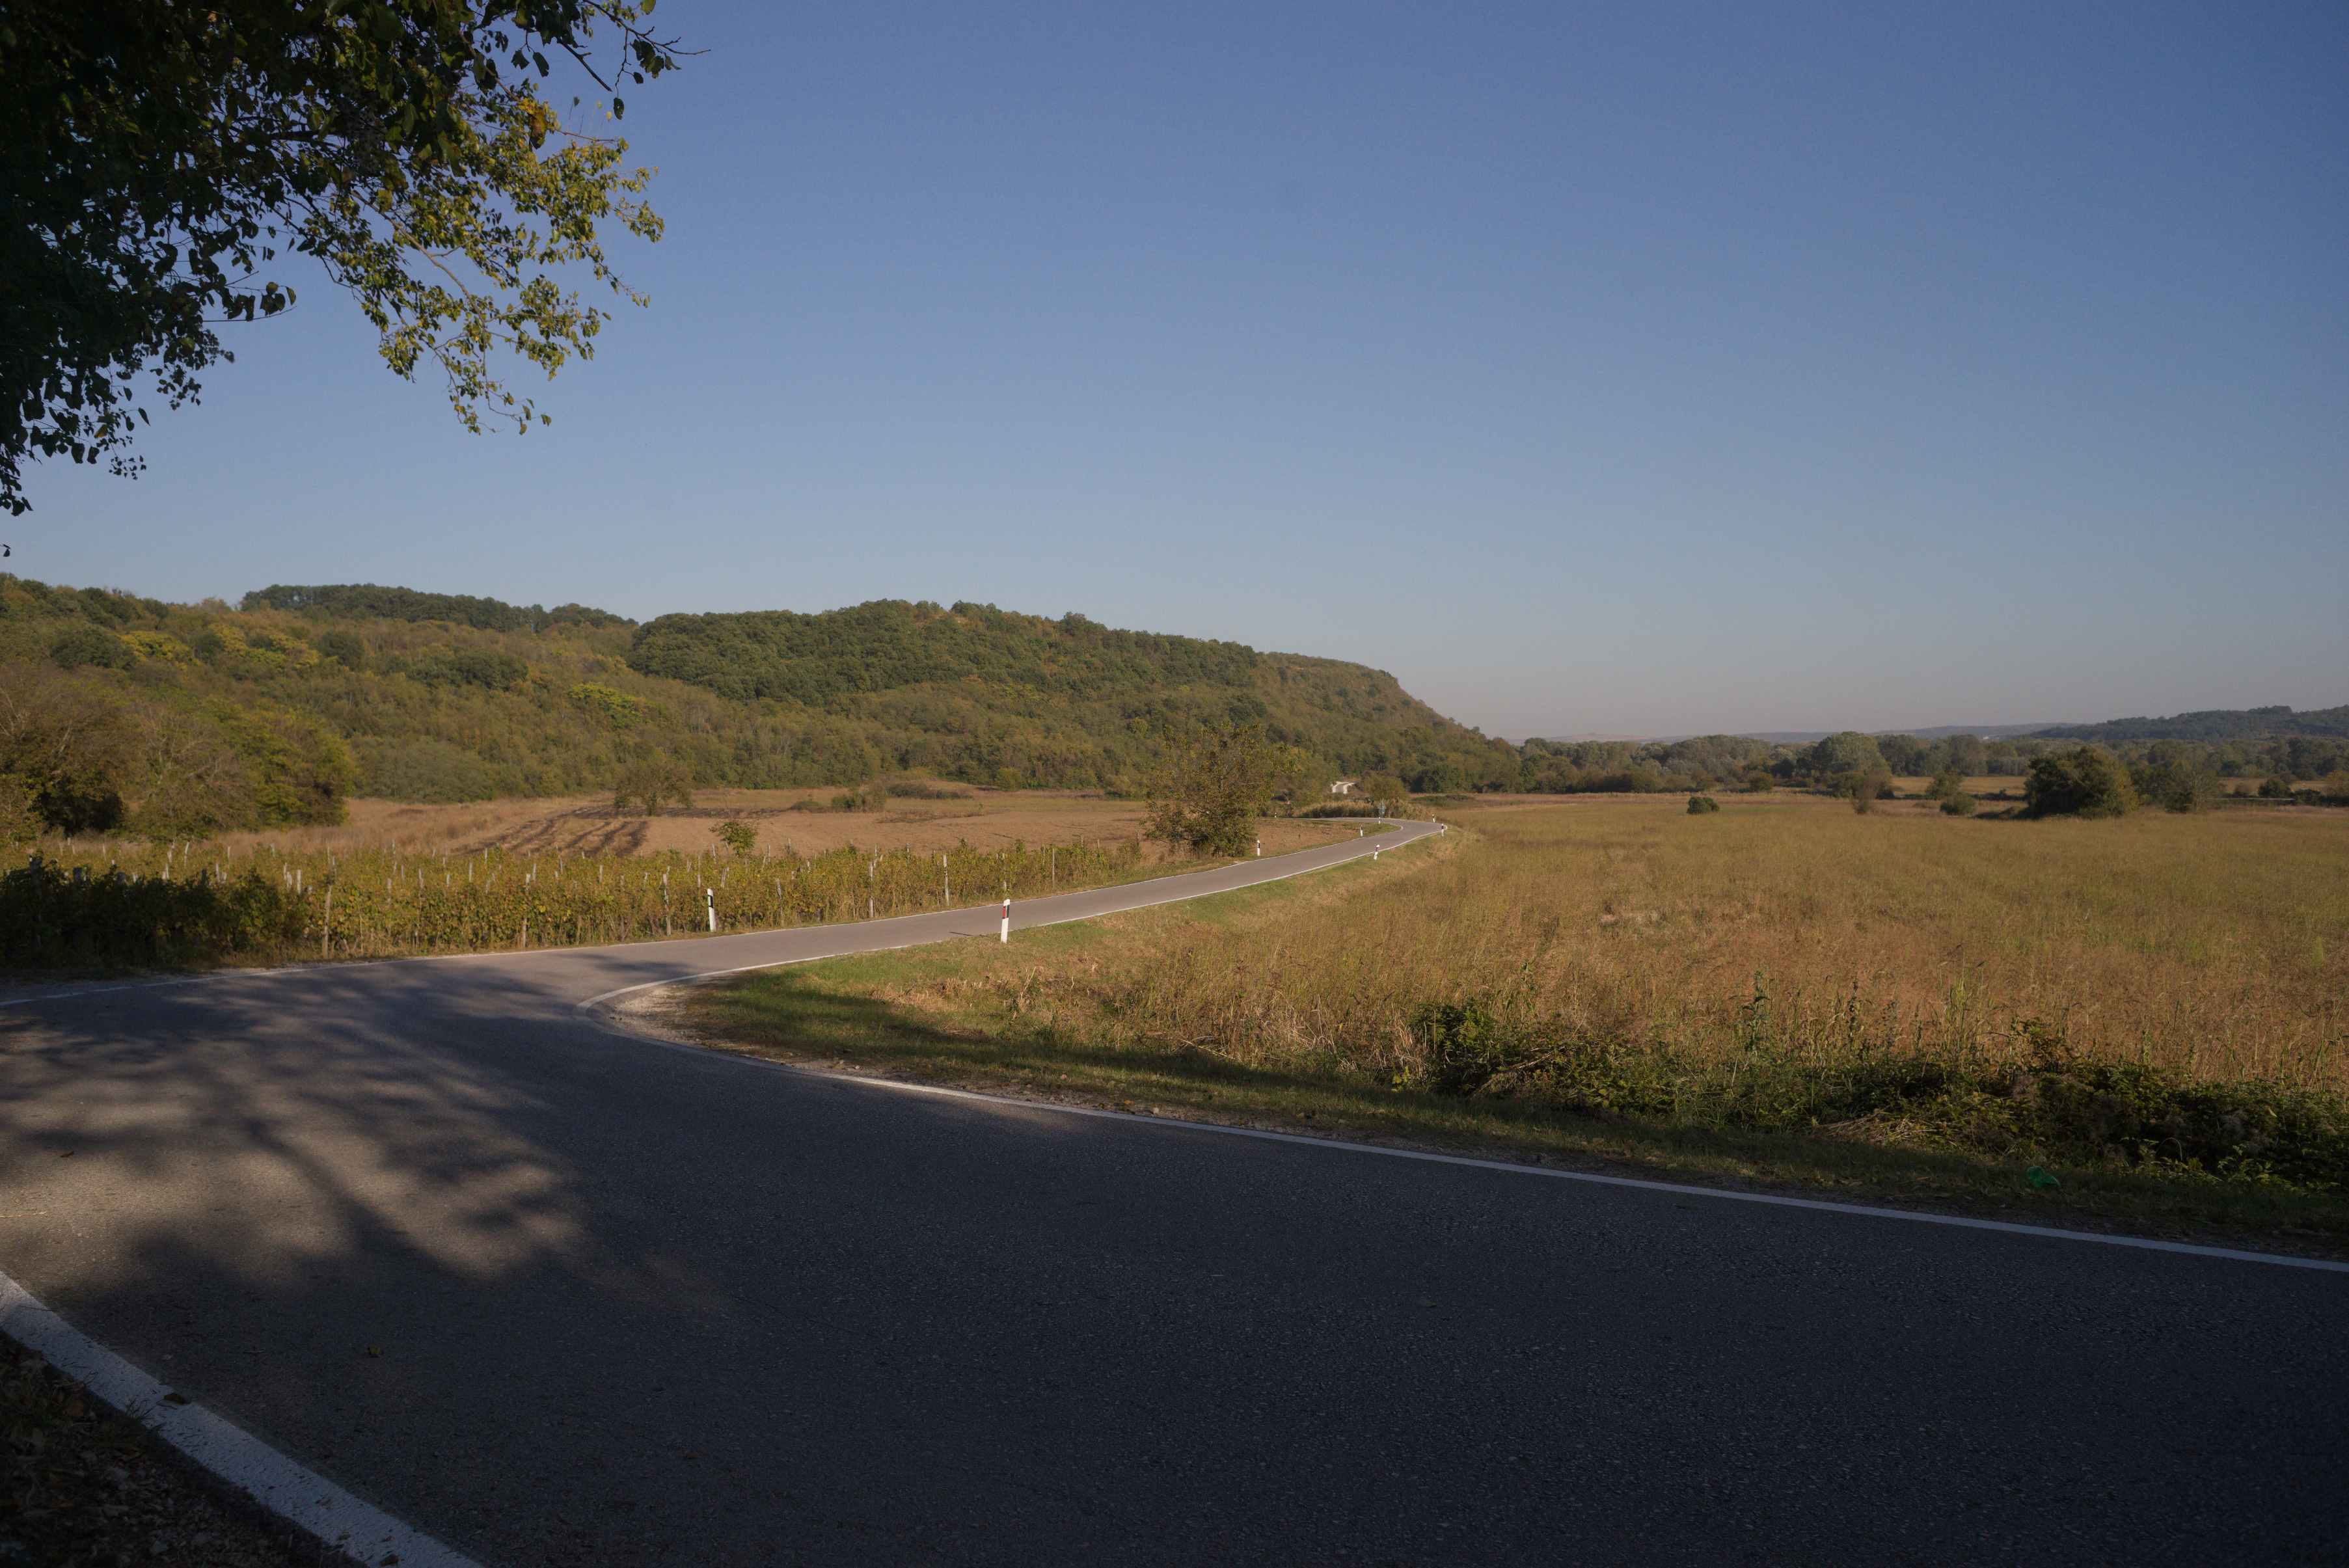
[(1259, 849), (709, 896), (1007, 920)]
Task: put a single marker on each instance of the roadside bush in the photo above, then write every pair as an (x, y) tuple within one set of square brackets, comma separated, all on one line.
[(1339, 809), (2032, 1092), (2088, 781), (1957, 805), (1701, 804), (1461, 1048)]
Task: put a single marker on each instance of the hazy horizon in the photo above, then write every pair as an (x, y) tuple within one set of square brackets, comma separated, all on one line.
[(1611, 369)]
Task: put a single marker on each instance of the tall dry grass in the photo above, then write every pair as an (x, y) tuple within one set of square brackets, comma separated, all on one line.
[(2213, 948)]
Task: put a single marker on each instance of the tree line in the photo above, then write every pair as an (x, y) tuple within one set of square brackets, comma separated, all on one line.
[(1728, 762)]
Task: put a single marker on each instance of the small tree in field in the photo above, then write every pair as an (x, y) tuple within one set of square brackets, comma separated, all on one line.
[(737, 836), (1212, 789), (2086, 782), (646, 787)]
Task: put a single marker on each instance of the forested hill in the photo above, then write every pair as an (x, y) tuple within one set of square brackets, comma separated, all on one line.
[(127, 711), (2210, 727), (888, 643), (365, 600)]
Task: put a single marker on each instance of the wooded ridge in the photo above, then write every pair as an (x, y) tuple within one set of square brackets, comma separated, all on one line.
[(118, 710)]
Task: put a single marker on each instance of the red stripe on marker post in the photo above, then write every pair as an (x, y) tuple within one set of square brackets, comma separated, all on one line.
[(1007, 920)]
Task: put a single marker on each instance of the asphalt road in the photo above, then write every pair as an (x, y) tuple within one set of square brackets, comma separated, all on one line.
[(641, 1305)]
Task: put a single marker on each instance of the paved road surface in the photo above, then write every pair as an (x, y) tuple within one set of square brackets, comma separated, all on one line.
[(640, 1305)]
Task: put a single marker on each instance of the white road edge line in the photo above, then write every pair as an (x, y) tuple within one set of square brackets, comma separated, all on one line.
[(362, 1531), (1513, 1169)]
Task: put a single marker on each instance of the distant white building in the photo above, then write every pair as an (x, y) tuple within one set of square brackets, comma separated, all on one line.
[(1343, 786)]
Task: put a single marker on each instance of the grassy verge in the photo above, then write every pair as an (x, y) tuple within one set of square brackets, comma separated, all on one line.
[(79, 1484), (1081, 1013)]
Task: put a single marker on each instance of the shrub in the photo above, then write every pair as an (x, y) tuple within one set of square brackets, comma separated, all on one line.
[(737, 836), (923, 790), (1957, 805), (1864, 790), (2087, 781), (1461, 1046), (1701, 804), (1948, 783), (2275, 790), (872, 800), (1759, 783), (2182, 787)]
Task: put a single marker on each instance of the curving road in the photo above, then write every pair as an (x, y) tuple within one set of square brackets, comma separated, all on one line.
[(640, 1305)]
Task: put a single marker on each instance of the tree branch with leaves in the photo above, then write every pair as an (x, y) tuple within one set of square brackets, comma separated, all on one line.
[(156, 158)]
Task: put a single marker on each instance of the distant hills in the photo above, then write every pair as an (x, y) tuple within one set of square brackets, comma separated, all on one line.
[(2210, 727)]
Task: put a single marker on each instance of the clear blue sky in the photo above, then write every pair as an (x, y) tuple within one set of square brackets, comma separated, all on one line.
[(1626, 368)]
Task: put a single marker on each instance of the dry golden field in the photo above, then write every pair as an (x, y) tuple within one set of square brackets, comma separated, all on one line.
[(2215, 945)]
